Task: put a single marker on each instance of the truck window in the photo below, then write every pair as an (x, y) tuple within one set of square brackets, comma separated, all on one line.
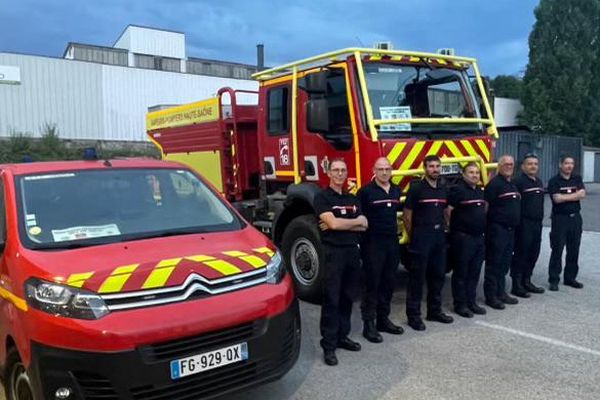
[(278, 115), (340, 127)]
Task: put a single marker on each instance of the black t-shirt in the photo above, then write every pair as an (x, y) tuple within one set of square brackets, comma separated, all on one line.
[(380, 208), (532, 197), (468, 215), (343, 205), (504, 202), (427, 203), (558, 184)]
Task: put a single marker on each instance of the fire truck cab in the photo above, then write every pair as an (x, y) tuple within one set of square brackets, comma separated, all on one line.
[(271, 157)]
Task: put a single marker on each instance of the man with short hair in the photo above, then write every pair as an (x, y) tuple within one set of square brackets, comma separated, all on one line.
[(425, 220), (380, 203), (467, 240), (342, 221), (503, 216), (566, 191), (529, 232)]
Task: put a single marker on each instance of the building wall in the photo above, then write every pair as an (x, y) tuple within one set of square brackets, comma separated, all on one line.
[(152, 41), (506, 111), (94, 101)]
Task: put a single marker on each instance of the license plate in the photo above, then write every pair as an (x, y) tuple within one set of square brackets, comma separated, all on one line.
[(449, 169), (209, 360)]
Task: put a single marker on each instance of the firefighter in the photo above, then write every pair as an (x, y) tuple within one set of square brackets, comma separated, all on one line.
[(341, 224), (566, 191), (503, 216), (467, 240), (529, 232), (380, 202), (425, 220)]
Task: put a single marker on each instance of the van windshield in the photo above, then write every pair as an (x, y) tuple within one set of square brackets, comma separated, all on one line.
[(84, 208)]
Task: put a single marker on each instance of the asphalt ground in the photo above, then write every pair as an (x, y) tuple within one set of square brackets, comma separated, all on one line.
[(546, 347)]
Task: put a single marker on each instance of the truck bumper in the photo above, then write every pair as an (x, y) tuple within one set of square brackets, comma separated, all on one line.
[(144, 373)]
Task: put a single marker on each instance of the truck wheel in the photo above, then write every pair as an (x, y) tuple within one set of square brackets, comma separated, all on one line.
[(16, 379), (301, 245)]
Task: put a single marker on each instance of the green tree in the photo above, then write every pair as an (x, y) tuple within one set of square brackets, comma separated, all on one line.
[(561, 93), (507, 86)]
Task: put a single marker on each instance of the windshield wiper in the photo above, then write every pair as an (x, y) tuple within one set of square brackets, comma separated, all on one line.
[(167, 233)]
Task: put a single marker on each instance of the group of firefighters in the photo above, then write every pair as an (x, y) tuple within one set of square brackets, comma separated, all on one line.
[(459, 226)]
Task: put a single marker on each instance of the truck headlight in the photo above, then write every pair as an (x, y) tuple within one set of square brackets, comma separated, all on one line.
[(63, 300), (275, 269)]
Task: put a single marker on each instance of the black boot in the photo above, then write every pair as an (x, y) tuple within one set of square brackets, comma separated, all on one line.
[(506, 299), (518, 289), (387, 326), (370, 332), (530, 287)]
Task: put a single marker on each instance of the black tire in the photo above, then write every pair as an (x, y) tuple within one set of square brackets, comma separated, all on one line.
[(17, 382), (303, 255)]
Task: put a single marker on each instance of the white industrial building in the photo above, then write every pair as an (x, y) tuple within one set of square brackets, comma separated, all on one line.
[(103, 93)]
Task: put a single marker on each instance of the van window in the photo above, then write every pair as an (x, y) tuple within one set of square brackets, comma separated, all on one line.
[(278, 116), (120, 205)]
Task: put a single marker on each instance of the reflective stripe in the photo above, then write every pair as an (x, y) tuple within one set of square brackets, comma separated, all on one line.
[(234, 253), (17, 301), (254, 261), (200, 258), (77, 280), (159, 276), (117, 279), (265, 250), (223, 267)]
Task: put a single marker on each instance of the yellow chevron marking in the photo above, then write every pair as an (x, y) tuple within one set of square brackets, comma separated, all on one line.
[(412, 155), (159, 276), (117, 279), (484, 149), (200, 258), (435, 148), (441, 61), (77, 280), (375, 57), (415, 59), (265, 250), (453, 148), (395, 152), (470, 150), (223, 267), (254, 261), (396, 58), (234, 253)]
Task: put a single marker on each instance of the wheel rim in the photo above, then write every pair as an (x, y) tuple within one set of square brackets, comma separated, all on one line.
[(305, 261), (21, 385)]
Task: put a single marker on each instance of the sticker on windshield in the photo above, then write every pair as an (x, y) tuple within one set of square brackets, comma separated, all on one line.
[(398, 112), (52, 176), (35, 230), (85, 232), (389, 70), (30, 220)]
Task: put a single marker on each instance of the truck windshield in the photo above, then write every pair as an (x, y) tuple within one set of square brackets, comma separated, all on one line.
[(85, 208), (415, 91)]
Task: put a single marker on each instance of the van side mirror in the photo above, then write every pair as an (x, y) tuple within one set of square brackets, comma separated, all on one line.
[(316, 83), (317, 116)]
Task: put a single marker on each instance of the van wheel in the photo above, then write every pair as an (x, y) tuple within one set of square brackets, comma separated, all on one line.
[(303, 253), (16, 380)]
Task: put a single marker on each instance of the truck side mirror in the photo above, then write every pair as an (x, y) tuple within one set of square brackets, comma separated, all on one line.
[(316, 83), (317, 116)]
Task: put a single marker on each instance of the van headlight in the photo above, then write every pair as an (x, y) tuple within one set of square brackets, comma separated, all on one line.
[(275, 269), (65, 301)]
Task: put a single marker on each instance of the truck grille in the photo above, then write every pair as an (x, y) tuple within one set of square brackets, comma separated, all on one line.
[(194, 287), (199, 344), (95, 387)]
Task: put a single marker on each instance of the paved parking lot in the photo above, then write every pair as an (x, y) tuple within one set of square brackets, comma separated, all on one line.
[(546, 347)]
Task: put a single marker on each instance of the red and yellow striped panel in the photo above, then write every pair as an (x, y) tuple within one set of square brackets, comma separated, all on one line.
[(171, 271), (405, 155)]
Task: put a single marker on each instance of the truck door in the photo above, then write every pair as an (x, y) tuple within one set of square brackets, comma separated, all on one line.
[(328, 129)]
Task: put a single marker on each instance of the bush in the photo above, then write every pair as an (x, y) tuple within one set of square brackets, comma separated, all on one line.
[(22, 147)]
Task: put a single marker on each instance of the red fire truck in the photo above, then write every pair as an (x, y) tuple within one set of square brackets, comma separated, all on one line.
[(270, 157)]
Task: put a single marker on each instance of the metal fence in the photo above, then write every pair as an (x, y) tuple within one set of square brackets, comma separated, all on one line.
[(518, 141)]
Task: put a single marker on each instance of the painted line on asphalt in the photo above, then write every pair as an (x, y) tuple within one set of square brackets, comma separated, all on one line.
[(539, 338)]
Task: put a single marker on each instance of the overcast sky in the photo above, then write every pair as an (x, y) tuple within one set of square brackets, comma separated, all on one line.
[(493, 31)]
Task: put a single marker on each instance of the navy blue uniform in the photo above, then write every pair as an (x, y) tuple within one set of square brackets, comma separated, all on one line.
[(342, 267), (504, 214), (467, 233), (566, 229), (427, 247), (380, 248), (528, 237)]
